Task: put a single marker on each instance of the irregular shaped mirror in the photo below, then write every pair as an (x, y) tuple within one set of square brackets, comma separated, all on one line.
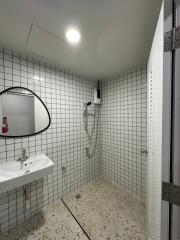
[(22, 113)]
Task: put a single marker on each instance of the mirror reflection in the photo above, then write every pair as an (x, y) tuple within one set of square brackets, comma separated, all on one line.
[(22, 113)]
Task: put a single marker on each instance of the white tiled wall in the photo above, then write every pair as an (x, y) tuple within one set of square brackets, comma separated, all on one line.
[(64, 142), (123, 131)]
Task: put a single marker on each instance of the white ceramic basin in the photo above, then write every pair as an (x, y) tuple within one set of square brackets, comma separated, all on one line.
[(13, 176)]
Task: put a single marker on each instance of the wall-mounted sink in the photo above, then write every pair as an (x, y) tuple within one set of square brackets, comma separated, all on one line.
[(13, 175)]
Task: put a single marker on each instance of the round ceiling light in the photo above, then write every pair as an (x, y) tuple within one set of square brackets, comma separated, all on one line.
[(73, 36)]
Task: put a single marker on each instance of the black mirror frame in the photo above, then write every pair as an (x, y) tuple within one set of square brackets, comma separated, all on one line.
[(29, 135)]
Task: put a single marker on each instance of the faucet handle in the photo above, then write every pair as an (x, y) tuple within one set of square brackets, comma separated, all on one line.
[(24, 155), (19, 159), (24, 151)]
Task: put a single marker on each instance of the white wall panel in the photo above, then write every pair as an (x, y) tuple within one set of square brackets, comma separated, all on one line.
[(155, 109)]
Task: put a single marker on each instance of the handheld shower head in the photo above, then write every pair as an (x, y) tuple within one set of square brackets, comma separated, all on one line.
[(88, 103)]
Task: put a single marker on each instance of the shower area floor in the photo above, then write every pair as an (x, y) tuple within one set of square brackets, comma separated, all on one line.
[(107, 213), (98, 209)]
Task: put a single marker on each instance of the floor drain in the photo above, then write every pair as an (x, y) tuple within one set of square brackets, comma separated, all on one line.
[(78, 196)]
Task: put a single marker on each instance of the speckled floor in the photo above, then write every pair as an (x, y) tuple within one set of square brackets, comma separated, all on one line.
[(53, 223), (107, 213), (103, 210)]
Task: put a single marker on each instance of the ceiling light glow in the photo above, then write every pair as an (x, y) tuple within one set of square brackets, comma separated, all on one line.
[(73, 36)]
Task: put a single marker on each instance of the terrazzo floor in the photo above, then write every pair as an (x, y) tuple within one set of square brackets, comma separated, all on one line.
[(53, 223), (103, 210), (107, 213)]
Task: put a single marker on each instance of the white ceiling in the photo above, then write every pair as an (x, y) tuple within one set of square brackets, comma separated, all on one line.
[(116, 34)]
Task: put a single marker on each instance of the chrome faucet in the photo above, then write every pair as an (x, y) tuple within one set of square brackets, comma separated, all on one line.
[(23, 157)]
